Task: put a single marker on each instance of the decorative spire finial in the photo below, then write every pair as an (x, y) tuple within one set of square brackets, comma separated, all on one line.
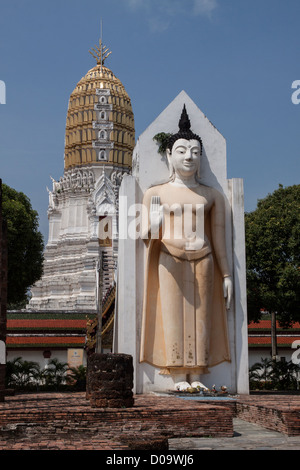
[(184, 122), (184, 132), (101, 52)]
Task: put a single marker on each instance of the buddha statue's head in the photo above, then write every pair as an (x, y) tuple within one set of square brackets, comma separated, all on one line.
[(184, 150)]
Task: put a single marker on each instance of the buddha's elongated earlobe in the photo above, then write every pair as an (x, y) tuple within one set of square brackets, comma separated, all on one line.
[(199, 168), (170, 164)]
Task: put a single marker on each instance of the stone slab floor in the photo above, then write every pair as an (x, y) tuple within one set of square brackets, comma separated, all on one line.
[(247, 436)]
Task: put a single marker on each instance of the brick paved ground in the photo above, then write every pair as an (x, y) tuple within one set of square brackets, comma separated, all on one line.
[(67, 421), (275, 412)]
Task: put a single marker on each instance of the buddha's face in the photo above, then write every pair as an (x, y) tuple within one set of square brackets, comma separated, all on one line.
[(185, 157)]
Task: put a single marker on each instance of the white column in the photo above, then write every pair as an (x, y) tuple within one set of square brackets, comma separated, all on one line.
[(240, 293), (2, 352), (125, 319)]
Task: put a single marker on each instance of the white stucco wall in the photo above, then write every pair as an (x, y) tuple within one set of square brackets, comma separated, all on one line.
[(37, 356)]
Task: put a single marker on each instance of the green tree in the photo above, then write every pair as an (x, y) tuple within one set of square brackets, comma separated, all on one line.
[(284, 375), (25, 245), (11, 367), (21, 374), (55, 374), (276, 375), (273, 254), (261, 371), (77, 377)]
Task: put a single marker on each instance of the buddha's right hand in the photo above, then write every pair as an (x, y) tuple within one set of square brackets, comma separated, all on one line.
[(156, 216)]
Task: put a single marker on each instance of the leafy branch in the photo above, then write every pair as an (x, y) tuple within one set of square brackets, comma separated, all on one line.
[(162, 139)]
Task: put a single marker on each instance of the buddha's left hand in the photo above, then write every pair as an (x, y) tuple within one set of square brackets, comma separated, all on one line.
[(228, 291)]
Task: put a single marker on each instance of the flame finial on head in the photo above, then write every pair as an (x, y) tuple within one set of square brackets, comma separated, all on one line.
[(184, 131), (184, 121)]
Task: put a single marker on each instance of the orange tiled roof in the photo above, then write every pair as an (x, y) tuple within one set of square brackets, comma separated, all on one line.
[(46, 324), (36, 330), (281, 340), (259, 334), (44, 340), (266, 324)]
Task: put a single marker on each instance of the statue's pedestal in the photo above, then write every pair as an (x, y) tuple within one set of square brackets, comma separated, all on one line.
[(110, 381)]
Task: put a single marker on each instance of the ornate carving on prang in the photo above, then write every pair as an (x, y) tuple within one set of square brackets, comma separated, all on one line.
[(103, 197), (116, 177), (53, 201), (91, 208), (74, 180)]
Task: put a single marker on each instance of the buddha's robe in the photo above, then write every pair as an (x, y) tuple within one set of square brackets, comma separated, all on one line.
[(184, 325)]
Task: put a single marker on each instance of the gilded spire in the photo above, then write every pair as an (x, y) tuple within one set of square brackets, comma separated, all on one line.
[(101, 52)]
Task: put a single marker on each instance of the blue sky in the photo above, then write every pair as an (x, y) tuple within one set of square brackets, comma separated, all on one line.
[(236, 59)]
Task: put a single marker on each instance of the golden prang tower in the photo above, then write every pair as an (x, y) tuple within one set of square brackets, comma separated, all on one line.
[(100, 121), (83, 204)]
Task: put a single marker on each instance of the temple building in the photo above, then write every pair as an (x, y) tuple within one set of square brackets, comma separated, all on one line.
[(83, 204), (80, 258)]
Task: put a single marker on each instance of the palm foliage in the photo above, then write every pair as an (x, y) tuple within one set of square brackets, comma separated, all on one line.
[(23, 375), (274, 375)]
